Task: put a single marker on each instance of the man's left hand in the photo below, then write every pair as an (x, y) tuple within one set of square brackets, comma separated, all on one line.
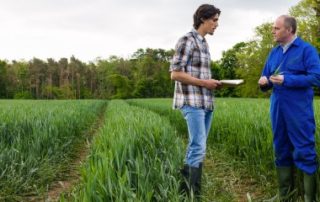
[(278, 79)]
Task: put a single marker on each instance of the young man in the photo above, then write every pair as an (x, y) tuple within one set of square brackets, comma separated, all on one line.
[(190, 68), (292, 68)]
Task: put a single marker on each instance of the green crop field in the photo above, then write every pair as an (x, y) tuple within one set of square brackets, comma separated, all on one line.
[(241, 130), (36, 141), (137, 150)]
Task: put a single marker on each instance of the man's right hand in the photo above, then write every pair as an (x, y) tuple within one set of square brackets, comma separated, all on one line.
[(188, 79), (263, 81), (212, 84)]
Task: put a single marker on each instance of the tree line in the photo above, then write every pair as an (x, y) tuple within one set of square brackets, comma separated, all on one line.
[(143, 75), (146, 73)]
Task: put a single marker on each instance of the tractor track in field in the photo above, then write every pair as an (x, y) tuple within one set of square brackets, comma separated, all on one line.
[(71, 177), (225, 181)]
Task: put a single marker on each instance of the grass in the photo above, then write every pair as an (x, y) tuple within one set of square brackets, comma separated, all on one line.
[(134, 158), (137, 153), (240, 134), (36, 141)]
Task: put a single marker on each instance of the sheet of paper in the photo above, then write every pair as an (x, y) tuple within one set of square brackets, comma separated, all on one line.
[(233, 82)]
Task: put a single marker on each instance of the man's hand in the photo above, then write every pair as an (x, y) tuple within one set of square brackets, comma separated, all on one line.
[(263, 81), (212, 84), (277, 79), (188, 79)]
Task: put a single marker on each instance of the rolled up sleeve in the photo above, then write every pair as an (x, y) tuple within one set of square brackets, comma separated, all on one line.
[(182, 55)]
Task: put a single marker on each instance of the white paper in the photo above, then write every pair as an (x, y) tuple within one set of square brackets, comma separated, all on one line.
[(233, 82)]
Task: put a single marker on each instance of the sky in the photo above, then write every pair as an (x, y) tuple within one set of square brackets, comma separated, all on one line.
[(96, 29)]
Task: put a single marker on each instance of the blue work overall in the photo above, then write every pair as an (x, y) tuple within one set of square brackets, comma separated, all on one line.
[(291, 109)]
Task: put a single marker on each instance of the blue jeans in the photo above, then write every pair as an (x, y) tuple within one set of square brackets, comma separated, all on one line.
[(199, 123)]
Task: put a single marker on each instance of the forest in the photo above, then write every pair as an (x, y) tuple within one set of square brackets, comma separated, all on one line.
[(146, 73)]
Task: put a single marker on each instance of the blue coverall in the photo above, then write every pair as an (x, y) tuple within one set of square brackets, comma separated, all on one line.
[(291, 108)]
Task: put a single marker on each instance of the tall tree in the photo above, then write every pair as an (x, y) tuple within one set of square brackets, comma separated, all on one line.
[(22, 74), (228, 66), (3, 79), (251, 59), (307, 13), (38, 70)]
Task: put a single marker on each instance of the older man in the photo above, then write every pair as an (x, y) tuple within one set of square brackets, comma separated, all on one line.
[(291, 70)]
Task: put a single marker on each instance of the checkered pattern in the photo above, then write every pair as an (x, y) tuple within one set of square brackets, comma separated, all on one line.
[(192, 56)]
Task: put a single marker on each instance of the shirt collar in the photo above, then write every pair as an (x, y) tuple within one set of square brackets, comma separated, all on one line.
[(287, 46), (197, 35)]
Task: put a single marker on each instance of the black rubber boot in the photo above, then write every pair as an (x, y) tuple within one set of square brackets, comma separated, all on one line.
[(184, 187), (191, 180), (196, 175), (286, 184), (310, 188)]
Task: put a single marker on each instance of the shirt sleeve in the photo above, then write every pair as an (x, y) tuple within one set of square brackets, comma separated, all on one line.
[(312, 76), (182, 55), (266, 73)]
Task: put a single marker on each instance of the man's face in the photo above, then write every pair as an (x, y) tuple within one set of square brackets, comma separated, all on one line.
[(280, 32), (211, 24)]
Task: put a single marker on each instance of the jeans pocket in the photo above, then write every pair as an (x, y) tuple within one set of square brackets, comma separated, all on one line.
[(183, 110)]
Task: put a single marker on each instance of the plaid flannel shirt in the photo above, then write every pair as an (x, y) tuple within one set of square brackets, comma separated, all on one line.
[(192, 56)]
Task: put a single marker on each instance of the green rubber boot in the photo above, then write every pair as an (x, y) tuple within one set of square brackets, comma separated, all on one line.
[(286, 185), (310, 187)]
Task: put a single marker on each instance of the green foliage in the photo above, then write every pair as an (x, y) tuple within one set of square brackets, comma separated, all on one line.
[(3, 78), (122, 86), (228, 66), (23, 75), (242, 129), (248, 61), (36, 142), (86, 93), (251, 59), (251, 138), (152, 73), (146, 73), (23, 95), (307, 13), (134, 158), (63, 92)]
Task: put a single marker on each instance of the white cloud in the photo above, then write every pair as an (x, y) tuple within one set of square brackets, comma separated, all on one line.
[(100, 28)]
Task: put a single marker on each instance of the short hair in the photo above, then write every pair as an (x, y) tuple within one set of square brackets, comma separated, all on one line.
[(204, 12), (290, 21)]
